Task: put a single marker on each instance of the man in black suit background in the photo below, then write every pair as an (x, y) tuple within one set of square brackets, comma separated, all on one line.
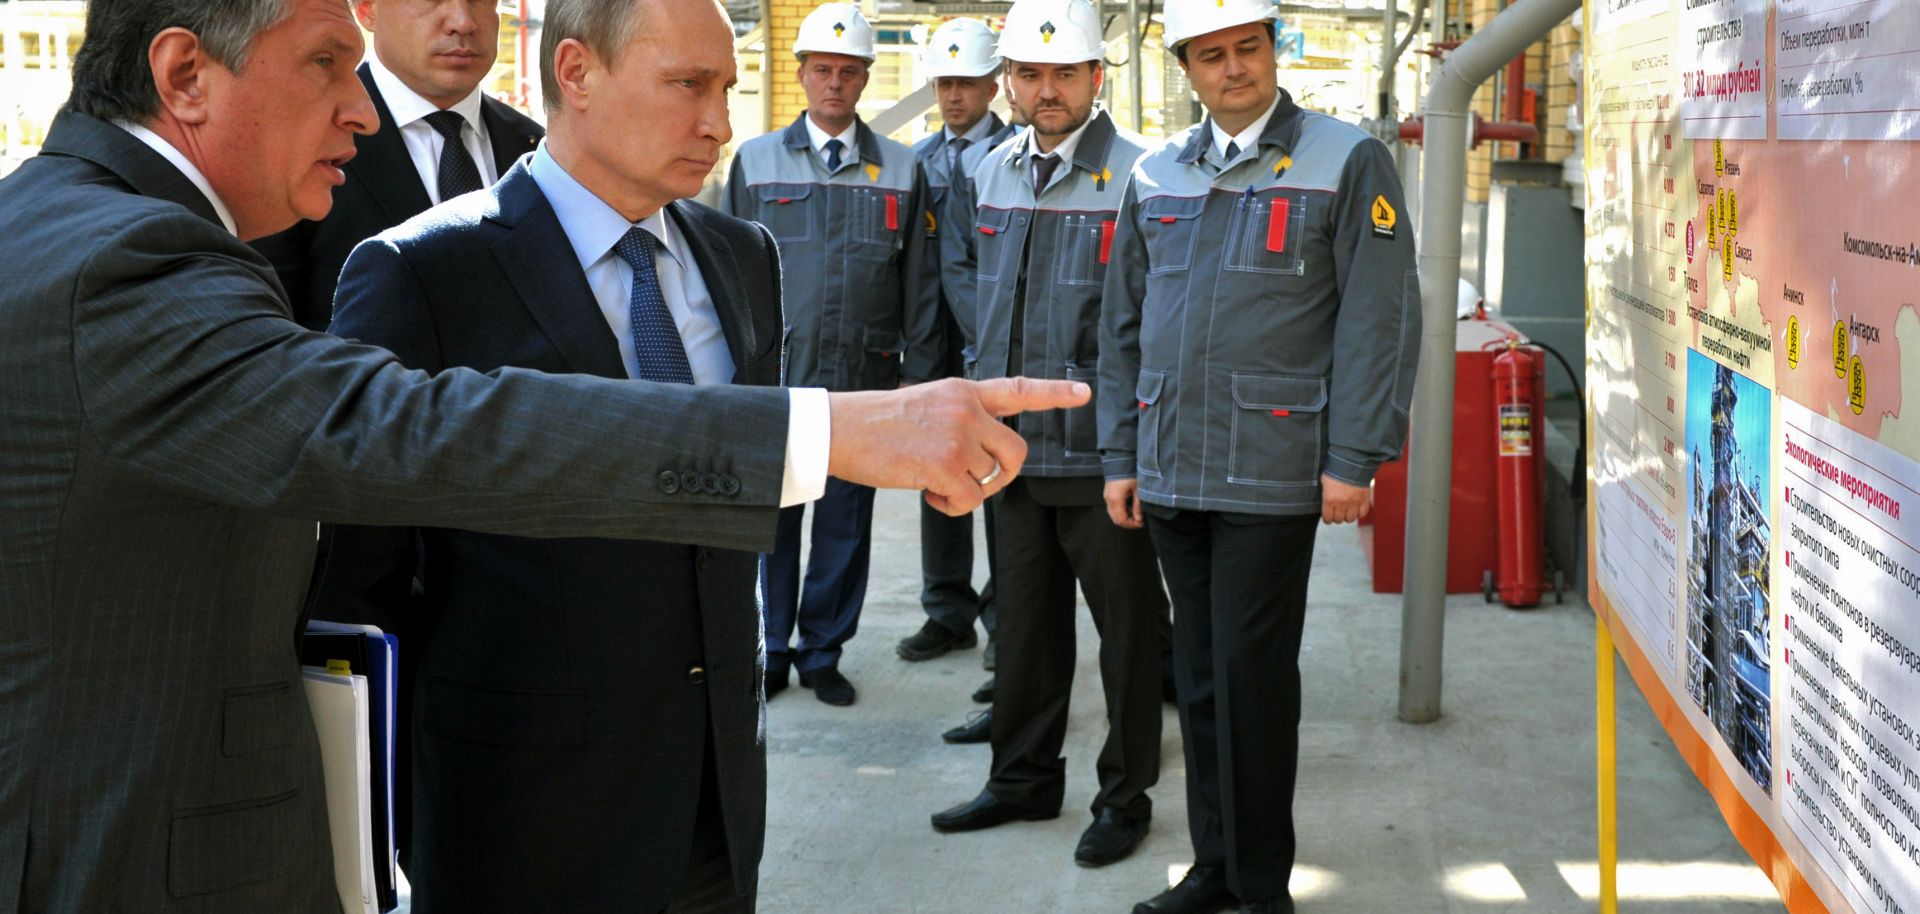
[(582, 706), (424, 74)]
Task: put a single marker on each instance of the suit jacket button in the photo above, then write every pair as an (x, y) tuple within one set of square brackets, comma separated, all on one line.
[(730, 486), (713, 484), (691, 482), (696, 674), (669, 482)]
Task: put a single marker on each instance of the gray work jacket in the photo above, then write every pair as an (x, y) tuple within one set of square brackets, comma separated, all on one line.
[(1058, 243), (934, 163), (858, 272), (1262, 319)]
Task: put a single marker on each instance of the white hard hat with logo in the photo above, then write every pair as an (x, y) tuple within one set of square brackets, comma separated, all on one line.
[(1052, 31), (835, 28), (962, 47), (1189, 19)]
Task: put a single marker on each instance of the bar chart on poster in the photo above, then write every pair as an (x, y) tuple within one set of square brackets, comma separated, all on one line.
[(1753, 264)]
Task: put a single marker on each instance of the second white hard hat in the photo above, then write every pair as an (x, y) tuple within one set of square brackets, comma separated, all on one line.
[(1188, 19), (835, 28), (962, 47), (1052, 31)]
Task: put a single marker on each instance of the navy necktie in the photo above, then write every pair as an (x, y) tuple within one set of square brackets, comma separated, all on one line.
[(458, 174), (656, 340), (1043, 167), (1233, 151), (833, 148), (955, 149)]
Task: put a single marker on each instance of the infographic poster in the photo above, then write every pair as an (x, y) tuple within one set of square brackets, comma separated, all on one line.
[(1753, 268)]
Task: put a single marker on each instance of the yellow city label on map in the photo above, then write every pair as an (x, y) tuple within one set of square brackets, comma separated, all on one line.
[(1719, 159), (1857, 386), (1726, 257), (1720, 200), (1793, 341), (1713, 227), (1733, 211), (1839, 349)]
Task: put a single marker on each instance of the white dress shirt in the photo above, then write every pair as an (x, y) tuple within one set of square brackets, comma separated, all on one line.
[(166, 150), (594, 228), (1248, 138), (820, 137), (424, 143), (1064, 151)]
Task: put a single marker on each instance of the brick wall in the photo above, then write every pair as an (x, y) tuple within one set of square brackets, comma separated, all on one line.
[(785, 100)]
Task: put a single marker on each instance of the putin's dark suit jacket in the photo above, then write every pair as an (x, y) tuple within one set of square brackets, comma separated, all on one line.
[(168, 437), (383, 189), (567, 694)]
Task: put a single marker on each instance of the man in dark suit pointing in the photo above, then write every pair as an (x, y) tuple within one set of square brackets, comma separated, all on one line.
[(169, 436), (582, 706)]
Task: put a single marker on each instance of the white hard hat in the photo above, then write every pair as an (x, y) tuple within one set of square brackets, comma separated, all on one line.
[(962, 47), (1189, 19), (1052, 31), (835, 28)]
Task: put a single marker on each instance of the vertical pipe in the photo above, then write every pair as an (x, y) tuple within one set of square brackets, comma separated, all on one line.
[(1136, 75), (1608, 765), (1430, 471), (1389, 52)]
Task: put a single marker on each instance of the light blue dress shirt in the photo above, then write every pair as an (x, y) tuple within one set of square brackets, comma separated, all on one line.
[(594, 228)]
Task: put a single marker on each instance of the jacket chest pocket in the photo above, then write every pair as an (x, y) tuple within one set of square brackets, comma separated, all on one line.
[(1266, 233), (1275, 438), (877, 217), (1085, 241), (1171, 228), (990, 244), (784, 211)]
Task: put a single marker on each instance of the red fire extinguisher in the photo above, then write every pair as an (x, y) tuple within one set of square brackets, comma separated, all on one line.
[(1518, 373)]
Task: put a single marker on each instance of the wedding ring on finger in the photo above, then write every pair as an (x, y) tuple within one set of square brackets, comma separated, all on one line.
[(988, 479)]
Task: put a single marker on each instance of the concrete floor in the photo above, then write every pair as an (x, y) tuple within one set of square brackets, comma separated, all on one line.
[(1490, 809)]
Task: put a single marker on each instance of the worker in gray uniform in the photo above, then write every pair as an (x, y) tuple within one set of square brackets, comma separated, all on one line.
[(847, 210), (1257, 357), (1041, 222), (962, 60)]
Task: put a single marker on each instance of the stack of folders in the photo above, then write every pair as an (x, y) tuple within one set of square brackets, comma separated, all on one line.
[(351, 680)]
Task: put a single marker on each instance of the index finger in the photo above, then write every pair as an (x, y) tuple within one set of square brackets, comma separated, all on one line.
[(1007, 396)]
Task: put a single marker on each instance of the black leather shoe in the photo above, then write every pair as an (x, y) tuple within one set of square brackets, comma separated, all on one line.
[(1202, 891), (1280, 905), (1110, 839), (776, 681), (984, 694), (975, 730), (934, 640), (829, 686), (985, 811)]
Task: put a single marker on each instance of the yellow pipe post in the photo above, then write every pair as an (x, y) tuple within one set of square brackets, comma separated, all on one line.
[(1608, 769)]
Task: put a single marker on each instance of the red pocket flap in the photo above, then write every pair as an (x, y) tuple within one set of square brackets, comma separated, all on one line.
[(1277, 225), (1106, 240), (893, 212)]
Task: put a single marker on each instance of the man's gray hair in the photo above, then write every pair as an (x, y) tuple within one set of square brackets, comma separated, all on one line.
[(112, 79), (604, 26)]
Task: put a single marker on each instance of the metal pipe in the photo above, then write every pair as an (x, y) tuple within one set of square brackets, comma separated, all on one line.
[(1391, 50), (1135, 78), (1430, 472)]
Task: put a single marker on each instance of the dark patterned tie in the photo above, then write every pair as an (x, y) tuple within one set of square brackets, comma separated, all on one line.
[(656, 341), (954, 151), (1043, 167), (833, 148), (458, 174), (1233, 150)]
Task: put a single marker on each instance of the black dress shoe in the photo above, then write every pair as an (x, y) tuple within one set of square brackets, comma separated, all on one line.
[(1202, 891), (986, 811), (934, 640), (1280, 905), (829, 686), (975, 730), (776, 681), (984, 694), (1110, 839)]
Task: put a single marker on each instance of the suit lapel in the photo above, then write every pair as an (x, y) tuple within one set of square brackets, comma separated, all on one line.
[(540, 263), (710, 252), (508, 141), (381, 164), (83, 136)]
